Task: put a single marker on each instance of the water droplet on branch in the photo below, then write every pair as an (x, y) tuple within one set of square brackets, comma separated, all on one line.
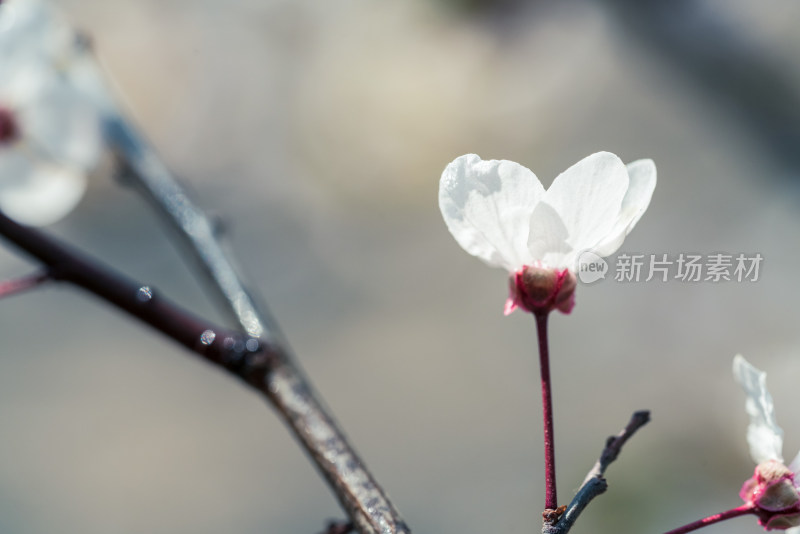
[(144, 294)]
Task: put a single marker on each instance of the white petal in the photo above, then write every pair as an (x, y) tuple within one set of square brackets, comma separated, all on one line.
[(587, 198), (27, 26), (36, 58), (487, 206), (23, 80), (642, 175), (56, 119), (64, 124), (764, 436), (795, 467), (86, 76), (7, 17), (37, 194), (547, 241)]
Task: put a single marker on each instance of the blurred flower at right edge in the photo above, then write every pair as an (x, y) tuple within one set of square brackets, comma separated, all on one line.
[(773, 488), (50, 123)]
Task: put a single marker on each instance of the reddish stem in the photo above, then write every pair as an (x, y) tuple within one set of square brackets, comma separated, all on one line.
[(716, 518), (550, 499), (19, 285)]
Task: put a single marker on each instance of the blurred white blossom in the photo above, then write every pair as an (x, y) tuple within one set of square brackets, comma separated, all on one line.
[(53, 123), (499, 211), (774, 486)]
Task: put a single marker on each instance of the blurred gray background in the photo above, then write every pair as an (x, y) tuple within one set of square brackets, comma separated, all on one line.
[(318, 131)]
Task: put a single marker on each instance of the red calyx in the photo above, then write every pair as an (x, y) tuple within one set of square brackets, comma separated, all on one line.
[(541, 290)]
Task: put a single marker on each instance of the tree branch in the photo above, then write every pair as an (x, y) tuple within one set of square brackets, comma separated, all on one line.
[(195, 230), (595, 484), (219, 345), (265, 366), (366, 504)]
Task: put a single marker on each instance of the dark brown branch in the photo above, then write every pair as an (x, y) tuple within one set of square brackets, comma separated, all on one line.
[(595, 484), (362, 498), (262, 365), (366, 503), (219, 345), (339, 527)]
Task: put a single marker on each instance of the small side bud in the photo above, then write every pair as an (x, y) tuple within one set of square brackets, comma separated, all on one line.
[(540, 290)]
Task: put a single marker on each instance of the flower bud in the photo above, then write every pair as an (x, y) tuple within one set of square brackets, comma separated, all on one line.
[(540, 290), (772, 489)]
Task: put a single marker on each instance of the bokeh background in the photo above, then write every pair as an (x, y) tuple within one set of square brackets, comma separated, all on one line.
[(317, 131)]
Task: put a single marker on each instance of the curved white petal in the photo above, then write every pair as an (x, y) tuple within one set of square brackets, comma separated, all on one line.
[(487, 206), (764, 436), (795, 467), (33, 23), (642, 176), (587, 198), (27, 28), (65, 125), (37, 194), (7, 17), (547, 241)]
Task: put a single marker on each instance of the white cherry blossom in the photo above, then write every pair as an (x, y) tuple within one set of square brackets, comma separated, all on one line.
[(774, 488), (499, 211), (50, 126)]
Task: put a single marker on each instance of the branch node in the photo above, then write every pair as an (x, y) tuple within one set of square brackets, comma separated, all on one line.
[(551, 517), (595, 484)]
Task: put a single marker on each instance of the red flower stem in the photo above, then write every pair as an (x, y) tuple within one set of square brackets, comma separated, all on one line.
[(550, 499), (716, 518), (19, 285)]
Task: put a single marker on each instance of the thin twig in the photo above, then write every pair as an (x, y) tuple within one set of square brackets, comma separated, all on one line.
[(595, 484), (748, 508), (614, 444), (194, 228), (22, 284), (261, 365), (238, 353), (365, 502)]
